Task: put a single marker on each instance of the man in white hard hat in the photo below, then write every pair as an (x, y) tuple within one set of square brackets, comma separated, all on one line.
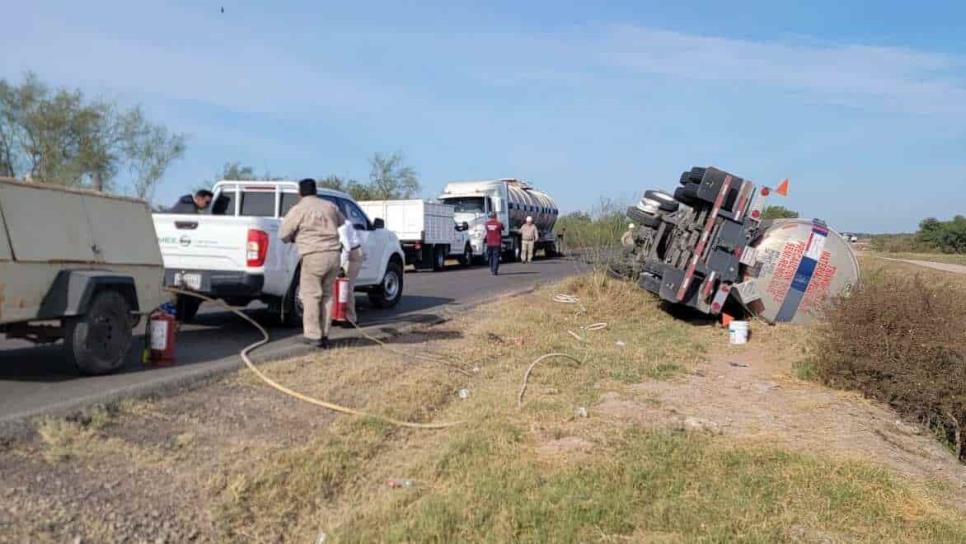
[(627, 240), (528, 237)]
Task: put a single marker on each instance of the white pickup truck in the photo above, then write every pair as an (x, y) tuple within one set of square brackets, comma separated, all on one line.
[(233, 252)]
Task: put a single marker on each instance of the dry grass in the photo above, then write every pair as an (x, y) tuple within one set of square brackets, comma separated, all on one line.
[(949, 258), (536, 473), (901, 338)]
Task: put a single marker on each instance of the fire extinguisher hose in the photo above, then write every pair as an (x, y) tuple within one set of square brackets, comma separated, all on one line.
[(245, 352)]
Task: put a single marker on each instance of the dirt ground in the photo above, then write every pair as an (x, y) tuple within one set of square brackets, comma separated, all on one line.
[(751, 392), (159, 470)]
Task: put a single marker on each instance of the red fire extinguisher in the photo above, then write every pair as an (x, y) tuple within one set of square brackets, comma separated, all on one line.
[(341, 294), (161, 329)]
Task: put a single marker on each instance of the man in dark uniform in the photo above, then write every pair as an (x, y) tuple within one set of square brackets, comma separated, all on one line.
[(195, 203)]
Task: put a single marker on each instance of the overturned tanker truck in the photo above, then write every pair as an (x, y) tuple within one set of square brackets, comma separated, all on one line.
[(706, 246)]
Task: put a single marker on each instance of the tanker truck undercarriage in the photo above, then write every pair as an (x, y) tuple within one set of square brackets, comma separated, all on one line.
[(706, 246)]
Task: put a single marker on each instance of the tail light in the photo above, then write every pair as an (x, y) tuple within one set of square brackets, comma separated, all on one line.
[(257, 248)]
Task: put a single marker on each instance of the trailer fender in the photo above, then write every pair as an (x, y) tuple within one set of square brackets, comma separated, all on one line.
[(72, 292)]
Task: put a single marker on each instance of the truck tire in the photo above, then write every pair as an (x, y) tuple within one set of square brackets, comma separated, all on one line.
[(695, 175), (665, 201), (643, 218), (512, 255), (687, 195), (186, 308), (97, 342), (466, 259), (439, 258), (389, 291)]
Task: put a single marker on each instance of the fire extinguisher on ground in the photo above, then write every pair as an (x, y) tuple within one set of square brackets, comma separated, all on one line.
[(341, 294), (160, 335)]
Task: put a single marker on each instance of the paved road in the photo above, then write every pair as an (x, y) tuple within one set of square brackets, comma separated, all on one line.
[(35, 380)]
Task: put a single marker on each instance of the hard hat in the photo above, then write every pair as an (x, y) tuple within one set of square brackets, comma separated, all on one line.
[(630, 225), (529, 219)]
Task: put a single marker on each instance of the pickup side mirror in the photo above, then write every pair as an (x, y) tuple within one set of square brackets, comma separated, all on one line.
[(378, 223)]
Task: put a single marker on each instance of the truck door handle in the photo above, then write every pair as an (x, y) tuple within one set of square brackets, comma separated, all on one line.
[(186, 225)]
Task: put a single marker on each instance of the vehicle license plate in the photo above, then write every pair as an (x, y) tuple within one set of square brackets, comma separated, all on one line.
[(191, 281)]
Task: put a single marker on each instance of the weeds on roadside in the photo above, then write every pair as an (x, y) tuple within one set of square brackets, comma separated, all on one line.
[(902, 339)]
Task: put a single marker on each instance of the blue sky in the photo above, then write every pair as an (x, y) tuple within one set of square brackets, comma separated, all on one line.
[(862, 105)]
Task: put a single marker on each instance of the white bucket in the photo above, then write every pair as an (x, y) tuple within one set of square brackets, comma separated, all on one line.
[(738, 332)]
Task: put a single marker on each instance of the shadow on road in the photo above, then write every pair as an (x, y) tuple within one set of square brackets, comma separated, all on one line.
[(211, 336)]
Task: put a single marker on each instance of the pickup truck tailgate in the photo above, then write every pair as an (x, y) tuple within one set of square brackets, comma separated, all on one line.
[(203, 242)]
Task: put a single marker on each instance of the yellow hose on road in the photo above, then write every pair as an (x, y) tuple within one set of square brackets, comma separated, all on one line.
[(295, 394)]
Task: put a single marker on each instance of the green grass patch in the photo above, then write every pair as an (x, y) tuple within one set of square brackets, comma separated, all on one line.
[(648, 485)]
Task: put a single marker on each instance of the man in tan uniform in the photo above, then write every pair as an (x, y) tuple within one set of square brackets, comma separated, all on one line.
[(528, 237), (313, 225)]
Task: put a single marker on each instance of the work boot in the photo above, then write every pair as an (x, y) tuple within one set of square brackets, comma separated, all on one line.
[(321, 343)]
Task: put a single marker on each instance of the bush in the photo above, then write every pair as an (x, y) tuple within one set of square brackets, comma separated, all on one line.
[(902, 340), (901, 243)]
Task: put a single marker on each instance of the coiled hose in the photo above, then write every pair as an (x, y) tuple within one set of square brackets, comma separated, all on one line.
[(246, 351)]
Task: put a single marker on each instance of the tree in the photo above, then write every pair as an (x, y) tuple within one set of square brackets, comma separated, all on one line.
[(946, 236), (355, 189), (389, 178), (61, 137), (237, 172), (778, 212)]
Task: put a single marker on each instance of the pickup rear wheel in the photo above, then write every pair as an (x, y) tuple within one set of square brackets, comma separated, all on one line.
[(389, 290), (97, 342)]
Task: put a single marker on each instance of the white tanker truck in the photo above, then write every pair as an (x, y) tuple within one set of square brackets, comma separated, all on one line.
[(707, 246), (512, 200)]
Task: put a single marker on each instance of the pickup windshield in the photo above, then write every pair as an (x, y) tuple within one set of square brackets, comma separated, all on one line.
[(468, 204)]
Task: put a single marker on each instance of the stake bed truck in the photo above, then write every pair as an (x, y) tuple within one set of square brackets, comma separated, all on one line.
[(428, 231)]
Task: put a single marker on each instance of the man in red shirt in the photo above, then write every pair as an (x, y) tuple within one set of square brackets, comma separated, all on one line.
[(494, 242)]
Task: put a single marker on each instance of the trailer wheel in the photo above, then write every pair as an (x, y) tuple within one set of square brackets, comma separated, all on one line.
[(439, 258), (643, 218), (687, 194), (513, 254), (97, 342), (665, 201), (466, 259), (695, 175)]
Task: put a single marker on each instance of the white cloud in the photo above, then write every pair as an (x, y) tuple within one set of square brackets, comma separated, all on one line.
[(867, 77)]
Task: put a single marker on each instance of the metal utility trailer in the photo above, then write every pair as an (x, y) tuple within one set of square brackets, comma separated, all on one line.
[(427, 231), (78, 266), (706, 244)]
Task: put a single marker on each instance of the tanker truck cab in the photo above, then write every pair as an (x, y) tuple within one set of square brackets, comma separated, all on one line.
[(512, 200)]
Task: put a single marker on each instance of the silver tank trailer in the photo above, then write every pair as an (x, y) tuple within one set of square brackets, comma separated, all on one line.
[(525, 201), (796, 269)]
